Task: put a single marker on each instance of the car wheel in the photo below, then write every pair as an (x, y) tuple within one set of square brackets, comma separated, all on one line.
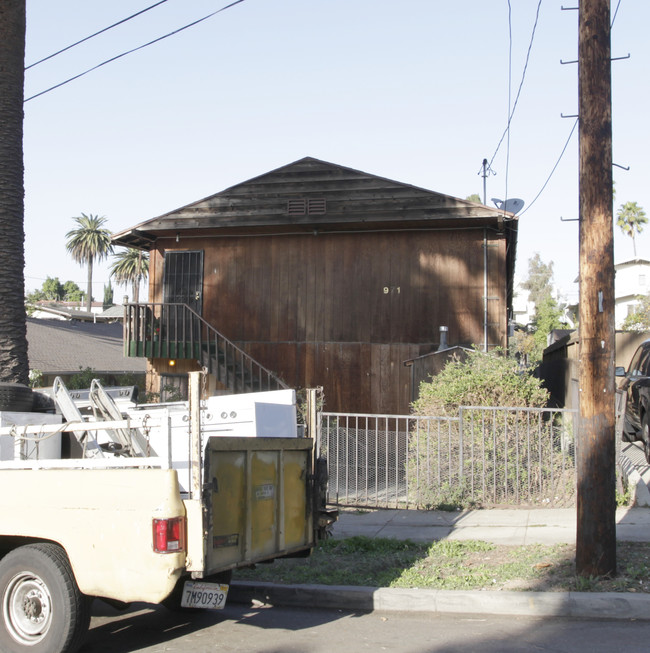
[(43, 610), (645, 434), (628, 434)]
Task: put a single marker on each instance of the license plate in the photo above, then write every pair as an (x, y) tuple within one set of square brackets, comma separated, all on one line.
[(211, 596)]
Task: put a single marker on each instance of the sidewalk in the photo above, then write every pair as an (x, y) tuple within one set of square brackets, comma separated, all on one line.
[(515, 527), (509, 526)]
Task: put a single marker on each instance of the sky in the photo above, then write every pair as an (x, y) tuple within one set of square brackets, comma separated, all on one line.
[(418, 91)]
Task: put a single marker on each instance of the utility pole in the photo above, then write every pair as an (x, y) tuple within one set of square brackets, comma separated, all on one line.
[(484, 175), (596, 525)]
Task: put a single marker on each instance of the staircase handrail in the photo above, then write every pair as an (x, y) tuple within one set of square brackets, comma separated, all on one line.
[(207, 325)]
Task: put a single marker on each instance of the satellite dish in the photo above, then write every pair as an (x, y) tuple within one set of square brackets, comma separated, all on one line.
[(513, 205)]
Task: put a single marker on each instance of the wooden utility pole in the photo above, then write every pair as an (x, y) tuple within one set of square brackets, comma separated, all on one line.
[(596, 527)]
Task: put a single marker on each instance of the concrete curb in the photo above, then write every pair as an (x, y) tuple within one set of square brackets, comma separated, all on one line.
[(605, 605)]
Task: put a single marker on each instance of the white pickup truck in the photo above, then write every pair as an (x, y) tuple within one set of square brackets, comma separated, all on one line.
[(132, 519)]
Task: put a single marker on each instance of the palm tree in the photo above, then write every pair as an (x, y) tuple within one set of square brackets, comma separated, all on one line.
[(88, 243), (631, 218), (131, 266), (14, 366)]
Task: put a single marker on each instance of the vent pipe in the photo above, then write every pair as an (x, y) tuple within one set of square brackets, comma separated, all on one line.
[(443, 338)]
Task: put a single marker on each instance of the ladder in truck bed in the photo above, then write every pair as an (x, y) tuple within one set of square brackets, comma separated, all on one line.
[(132, 439), (127, 441)]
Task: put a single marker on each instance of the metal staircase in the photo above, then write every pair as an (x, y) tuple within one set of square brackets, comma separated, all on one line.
[(175, 331)]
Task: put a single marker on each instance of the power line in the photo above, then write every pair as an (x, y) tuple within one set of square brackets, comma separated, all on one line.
[(80, 283), (509, 95), (87, 38), (557, 163), (575, 124), (140, 47), (521, 83), (615, 12)]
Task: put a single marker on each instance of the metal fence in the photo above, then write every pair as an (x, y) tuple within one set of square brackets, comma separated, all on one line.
[(483, 457)]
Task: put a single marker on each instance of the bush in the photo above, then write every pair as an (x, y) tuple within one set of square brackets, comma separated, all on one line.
[(479, 380), (495, 456)]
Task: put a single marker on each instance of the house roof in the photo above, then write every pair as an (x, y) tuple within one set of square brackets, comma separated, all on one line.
[(631, 263), (314, 195), (115, 312), (57, 347)]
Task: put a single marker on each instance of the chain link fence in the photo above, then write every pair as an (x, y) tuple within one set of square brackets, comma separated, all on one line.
[(484, 457)]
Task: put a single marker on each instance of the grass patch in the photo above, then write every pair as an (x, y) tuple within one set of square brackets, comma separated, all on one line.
[(448, 564)]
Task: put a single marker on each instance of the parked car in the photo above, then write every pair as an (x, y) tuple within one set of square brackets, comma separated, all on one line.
[(636, 389)]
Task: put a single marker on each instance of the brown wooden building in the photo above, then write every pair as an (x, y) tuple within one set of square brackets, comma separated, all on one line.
[(324, 276)]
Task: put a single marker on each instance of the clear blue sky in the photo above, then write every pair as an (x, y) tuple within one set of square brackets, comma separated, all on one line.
[(415, 90)]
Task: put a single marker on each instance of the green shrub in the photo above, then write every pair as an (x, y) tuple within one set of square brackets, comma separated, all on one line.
[(488, 456), (479, 380)]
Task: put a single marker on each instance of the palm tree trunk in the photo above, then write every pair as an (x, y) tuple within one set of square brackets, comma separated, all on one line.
[(14, 365), (89, 287), (136, 281)]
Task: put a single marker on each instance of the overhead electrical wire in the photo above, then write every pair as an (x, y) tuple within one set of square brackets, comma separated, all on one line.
[(521, 83), (87, 38), (140, 47), (557, 163), (568, 140), (509, 99), (615, 12)]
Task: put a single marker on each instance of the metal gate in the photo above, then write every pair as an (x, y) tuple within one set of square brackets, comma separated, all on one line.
[(483, 457)]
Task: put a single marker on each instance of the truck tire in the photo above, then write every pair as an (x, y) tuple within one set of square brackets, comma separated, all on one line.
[(43, 610)]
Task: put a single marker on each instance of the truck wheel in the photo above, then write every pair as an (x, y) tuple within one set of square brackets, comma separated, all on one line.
[(43, 610)]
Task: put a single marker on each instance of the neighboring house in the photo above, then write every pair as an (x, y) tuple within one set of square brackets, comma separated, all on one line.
[(51, 310), (523, 310), (61, 311), (113, 313), (632, 280), (321, 275), (63, 349)]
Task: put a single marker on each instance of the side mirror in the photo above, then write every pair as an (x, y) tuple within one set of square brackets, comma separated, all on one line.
[(620, 371)]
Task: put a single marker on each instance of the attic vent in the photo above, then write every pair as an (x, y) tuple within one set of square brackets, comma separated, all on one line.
[(307, 207), (297, 207), (316, 207)]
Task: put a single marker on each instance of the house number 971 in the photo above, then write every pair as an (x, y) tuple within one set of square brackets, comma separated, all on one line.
[(388, 289)]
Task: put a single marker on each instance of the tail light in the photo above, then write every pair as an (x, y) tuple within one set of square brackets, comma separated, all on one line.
[(169, 535)]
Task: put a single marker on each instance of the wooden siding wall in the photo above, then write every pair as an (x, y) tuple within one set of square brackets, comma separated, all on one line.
[(346, 310)]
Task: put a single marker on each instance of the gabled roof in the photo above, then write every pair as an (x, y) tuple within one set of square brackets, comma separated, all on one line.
[(57, 347), (309, 195)]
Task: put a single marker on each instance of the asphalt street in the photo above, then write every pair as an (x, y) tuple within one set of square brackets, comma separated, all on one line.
[(276, 619), (259, 629)]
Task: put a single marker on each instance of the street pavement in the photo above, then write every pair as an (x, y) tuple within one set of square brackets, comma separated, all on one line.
[(509, 526), (261, 629)]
